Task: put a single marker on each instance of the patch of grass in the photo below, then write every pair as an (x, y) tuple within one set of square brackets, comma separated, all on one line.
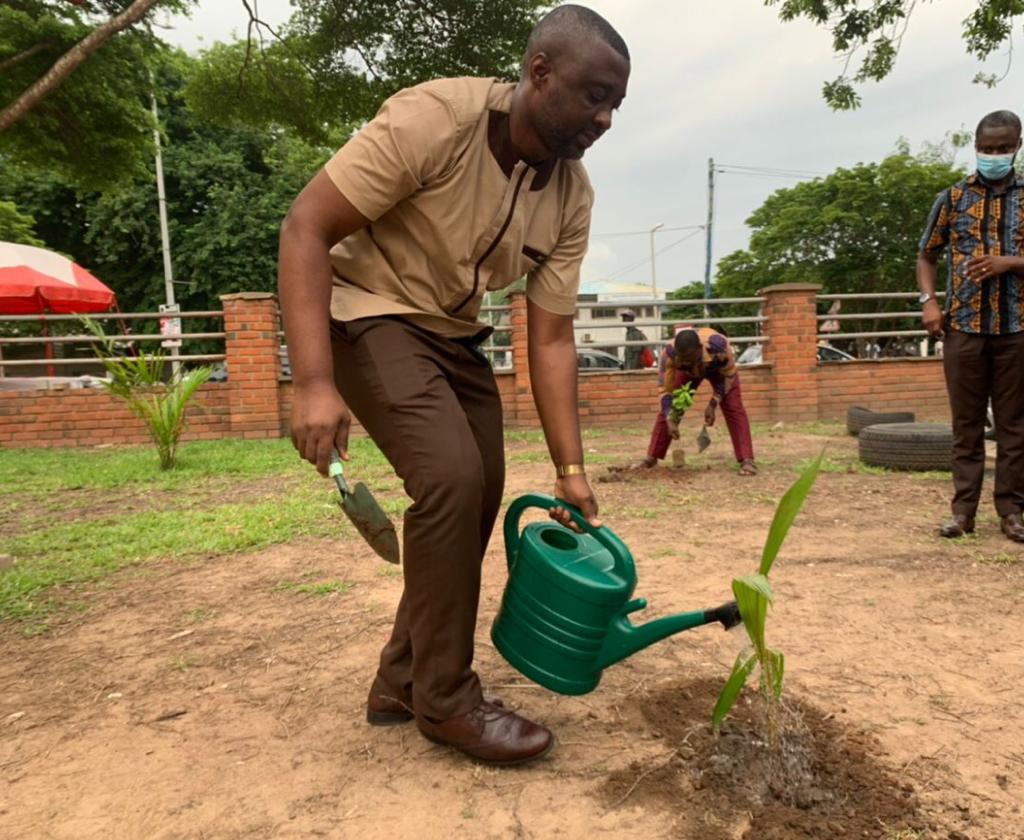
[(524, 436), (1000, 559), (326, 587), (71, 552), (852, 466), (640, 513), (46, 471), (182, 663), (389, 571), (197, 616)]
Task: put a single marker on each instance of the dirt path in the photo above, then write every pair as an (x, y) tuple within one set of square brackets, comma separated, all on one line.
[(208, 701)]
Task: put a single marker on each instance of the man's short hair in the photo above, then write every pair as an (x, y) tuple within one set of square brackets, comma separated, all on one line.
[(687, 341), (571, 24), (999, 119)]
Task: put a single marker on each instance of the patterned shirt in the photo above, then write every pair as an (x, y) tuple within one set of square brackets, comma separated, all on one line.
[(718, 365), (974, 221)]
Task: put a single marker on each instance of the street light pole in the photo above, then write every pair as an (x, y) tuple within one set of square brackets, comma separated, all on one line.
[(654, 276)]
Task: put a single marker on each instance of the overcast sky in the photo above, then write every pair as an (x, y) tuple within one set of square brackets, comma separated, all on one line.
[(726, 79)]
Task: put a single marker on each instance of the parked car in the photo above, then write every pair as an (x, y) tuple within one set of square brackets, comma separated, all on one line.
[(826, 353), (588, 359)]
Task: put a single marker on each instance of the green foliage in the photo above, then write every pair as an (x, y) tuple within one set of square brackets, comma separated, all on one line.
[(682, 399), (95, 128), (753, 595), (227, 192), (855, 230), (139, 381), (787, 511), (333, 63), (875, 32), (16, 226)]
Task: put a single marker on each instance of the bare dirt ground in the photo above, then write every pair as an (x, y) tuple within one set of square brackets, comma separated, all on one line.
[(200, 700)]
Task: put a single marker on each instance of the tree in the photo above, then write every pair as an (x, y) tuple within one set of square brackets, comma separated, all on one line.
[(227, 192), (875, 34), (855, 230), (335, 61), (66, 103), (16, 226)]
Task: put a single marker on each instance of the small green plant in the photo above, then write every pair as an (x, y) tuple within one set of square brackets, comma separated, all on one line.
[(139, 381), (753, 597), (682, 399)]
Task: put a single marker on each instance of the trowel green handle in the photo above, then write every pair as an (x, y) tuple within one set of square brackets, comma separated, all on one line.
[(337, 472), (604, 535)]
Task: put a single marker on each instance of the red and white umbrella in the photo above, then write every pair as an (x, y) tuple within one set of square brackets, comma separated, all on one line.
[(34, 281)]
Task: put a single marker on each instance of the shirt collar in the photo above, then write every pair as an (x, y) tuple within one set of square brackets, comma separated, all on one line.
[(975, 180)]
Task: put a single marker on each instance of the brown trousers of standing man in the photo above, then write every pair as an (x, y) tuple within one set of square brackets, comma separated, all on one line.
[(432, 406), (979, 368)]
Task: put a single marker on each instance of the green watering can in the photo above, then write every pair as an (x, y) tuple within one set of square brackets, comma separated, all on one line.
[(563, 618)]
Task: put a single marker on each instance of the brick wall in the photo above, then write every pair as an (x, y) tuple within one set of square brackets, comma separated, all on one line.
[(92, 417), (914, 385), (791, 385)]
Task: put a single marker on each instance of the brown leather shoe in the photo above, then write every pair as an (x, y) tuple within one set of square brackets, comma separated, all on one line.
[(491, 734), (1013, 527), (959, 525), (385, 710)]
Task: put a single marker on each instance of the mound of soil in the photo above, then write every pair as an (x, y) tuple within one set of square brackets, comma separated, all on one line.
[(821, 780)]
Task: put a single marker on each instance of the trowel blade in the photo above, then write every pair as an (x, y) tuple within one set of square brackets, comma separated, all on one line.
[(703, 439), (371, 522)]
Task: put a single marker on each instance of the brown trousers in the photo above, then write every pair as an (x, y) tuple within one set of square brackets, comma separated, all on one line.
[(432, 406), (979, 368)]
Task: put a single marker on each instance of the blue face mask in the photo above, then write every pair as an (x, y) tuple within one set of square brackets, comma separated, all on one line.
[(995, 167)]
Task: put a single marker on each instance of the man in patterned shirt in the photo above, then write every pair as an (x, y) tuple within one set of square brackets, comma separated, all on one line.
[(692, 357), (980, 221)]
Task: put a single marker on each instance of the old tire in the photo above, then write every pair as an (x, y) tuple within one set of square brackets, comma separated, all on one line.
[(858, 418), (907, 446)]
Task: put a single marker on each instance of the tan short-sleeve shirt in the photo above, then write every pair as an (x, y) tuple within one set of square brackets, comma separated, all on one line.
[(453, 213)]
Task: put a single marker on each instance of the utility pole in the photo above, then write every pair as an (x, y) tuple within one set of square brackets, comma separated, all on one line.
[(708, 228), (654, 276), (168, 326)]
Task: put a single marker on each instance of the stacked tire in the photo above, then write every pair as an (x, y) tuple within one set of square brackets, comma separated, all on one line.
[(858, 418), (907, 446)]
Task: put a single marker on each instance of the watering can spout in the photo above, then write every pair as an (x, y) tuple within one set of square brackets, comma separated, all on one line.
[(625, 638)]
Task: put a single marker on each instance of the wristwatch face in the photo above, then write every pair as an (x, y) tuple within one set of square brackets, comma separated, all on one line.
[(925, 297)]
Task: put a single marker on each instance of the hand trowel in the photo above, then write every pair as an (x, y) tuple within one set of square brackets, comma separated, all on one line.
[(703, 439), (364, 512)]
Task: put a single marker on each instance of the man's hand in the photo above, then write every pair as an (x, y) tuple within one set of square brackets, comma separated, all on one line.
[(709, 414), (575, 489), (320, 422), (931, 317), (985, 267), (673, 428)]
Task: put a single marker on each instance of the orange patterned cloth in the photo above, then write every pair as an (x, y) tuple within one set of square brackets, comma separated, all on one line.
[(973, 220)]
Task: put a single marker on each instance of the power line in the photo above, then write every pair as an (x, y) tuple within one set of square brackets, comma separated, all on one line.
[(738, 169), (643, 232), (646, 260)]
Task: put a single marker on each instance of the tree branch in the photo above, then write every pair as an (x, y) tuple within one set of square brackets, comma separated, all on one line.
[(25, 55), (71, 60)]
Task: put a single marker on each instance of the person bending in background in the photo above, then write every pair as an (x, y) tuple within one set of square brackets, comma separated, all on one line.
[(691, 357)]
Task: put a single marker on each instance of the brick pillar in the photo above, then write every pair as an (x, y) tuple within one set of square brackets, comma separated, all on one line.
[(251, 345), (522, 413), (792, 325)]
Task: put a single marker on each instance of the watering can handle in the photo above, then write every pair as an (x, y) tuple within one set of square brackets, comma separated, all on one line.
[(604, 534)]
